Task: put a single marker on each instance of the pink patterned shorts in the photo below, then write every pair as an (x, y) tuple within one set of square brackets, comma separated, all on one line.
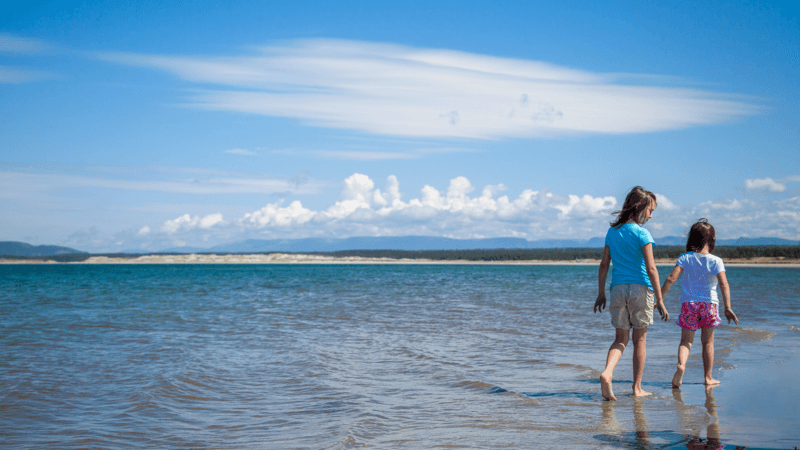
[(696, 315)]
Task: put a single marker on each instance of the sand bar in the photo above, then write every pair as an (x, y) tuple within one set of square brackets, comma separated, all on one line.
[(285, 258)]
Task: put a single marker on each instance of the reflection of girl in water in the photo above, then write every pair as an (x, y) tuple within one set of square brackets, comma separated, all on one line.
[(712, 441), (699, 299)]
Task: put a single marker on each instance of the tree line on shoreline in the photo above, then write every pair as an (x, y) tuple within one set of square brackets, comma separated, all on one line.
[(565, 254), (488, 255)]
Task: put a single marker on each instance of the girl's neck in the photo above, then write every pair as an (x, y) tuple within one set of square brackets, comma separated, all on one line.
[(704, 250)]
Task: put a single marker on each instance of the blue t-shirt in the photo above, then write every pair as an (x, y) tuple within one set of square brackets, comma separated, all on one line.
[(626, 242), (699, 283)]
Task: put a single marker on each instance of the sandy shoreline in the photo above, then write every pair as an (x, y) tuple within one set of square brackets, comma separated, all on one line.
[(283, 258)]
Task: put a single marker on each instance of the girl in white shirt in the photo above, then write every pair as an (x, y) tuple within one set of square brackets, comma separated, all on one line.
[(699, 299)]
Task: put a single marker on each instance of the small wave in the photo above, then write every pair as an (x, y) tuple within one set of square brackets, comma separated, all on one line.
[(349, 442), (580, 395), (481, 386), (474, 385), (497, 390), (793, 328), (589, 371), (751, 335)]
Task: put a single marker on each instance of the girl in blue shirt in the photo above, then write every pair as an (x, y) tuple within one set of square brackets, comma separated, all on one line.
[(634, 285)]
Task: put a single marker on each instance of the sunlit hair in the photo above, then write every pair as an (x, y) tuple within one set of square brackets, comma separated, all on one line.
[(701, 234), (635, 205)]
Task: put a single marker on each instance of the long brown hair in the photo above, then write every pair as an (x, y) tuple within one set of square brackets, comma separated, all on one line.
[(636, 203), (701, 234)]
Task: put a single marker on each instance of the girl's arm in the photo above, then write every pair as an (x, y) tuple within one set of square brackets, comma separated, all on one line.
[(652, 273), (722, 279), (600, 303), (671, 279)]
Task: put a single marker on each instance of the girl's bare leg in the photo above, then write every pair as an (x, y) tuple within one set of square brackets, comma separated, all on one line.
[(707, 338), (614, 354), (687, 338), (639, 355)]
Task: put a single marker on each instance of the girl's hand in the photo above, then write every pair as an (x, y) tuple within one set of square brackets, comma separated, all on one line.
[(731, 316), (600, 303), (663, 311)]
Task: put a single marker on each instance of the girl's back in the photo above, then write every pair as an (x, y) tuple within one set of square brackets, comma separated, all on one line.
[(625, 243), (699, 282)]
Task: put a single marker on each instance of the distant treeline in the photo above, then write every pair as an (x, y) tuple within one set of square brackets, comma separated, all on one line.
[(563, 254), (511, 254)]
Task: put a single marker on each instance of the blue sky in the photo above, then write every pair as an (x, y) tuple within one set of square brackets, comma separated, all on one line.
[(146, 126)]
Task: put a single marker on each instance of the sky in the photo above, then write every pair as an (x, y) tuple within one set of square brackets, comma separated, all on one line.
[(144, 125)]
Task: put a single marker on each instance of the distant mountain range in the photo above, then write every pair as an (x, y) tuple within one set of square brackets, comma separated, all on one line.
[(416, 243), (411, 243), (9, 248)]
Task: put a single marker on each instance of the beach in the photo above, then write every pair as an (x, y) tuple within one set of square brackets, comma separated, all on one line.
[(294, 258)]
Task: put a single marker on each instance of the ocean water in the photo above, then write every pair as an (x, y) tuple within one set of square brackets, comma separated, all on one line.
[(374, 356)]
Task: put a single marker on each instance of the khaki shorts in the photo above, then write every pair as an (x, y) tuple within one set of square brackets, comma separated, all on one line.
[(631, 306)]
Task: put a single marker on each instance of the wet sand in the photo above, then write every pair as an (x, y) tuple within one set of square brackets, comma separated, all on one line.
[(758, 403)]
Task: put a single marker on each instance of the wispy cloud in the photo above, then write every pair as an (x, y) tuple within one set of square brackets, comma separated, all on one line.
[(241, 151), (385, 89), (16, 44), (19, 45), (12, 75), (19, 183), (371, 155), (363, 155)]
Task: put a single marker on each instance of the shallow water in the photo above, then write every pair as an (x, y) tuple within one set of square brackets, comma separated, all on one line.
[(376, 356)]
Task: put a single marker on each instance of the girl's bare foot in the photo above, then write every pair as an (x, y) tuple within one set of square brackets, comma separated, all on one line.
[(677, 379), (712, 382), (640, 393), (605, 387)]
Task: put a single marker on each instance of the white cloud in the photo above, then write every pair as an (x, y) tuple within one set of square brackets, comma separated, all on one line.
[(587, 206), (458, 212), (394, 90), (188, 223), (273, 215), (357, 194), (665, 203), (765, 183), (749, 217), (461, 210)]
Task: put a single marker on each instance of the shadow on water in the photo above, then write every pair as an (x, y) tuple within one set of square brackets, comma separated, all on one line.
[(580, 395)]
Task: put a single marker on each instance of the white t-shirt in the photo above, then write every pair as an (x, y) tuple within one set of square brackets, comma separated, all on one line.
[(699, 281)]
